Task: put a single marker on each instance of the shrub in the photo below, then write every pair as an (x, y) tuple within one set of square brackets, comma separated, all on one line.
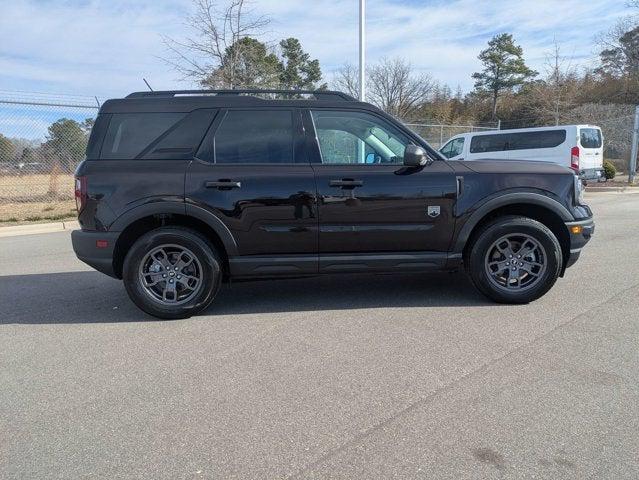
[(609, 170)]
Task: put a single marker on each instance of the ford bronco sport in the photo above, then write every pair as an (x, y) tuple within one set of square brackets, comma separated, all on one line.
[(181, 190)]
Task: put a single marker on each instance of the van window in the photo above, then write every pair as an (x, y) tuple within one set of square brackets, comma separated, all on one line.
[(453, 148), (489, 143), (517, 141), (130, 133), (590, 137), (255, 136)]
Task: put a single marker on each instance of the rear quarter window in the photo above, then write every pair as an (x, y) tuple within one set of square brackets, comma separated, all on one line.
[(130, 134)]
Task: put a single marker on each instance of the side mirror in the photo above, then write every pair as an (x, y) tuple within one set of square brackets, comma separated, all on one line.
[(415, 156)]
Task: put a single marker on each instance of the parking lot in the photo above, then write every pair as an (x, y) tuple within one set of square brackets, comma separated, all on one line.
[(394, 376)]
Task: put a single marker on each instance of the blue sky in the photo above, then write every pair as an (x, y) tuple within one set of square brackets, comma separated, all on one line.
[(104, 48)]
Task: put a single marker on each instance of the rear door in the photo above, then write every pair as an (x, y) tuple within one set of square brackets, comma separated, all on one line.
[(591, 148), (252, 173), (369, 202)]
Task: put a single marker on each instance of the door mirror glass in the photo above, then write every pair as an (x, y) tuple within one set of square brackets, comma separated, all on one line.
[(414, 156), (370, 158)]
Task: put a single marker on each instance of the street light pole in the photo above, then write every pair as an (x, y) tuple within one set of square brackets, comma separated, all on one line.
[(362, 49)]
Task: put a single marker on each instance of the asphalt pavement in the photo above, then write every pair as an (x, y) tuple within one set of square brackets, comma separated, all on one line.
[(352, 377)]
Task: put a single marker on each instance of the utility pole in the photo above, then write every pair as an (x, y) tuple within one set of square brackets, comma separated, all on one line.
[(633, 153), (362, 49)]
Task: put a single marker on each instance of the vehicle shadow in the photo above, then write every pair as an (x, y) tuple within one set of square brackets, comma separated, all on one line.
[(91, 297)]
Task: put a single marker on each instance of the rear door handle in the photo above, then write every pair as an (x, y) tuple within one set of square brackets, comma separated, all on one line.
[(346, 183), (223, 184)]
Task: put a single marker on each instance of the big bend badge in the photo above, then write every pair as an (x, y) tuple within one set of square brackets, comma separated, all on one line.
[(433, 211)]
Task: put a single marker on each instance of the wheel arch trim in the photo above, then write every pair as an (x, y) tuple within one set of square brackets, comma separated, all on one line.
[(178, 208), (515, 198)]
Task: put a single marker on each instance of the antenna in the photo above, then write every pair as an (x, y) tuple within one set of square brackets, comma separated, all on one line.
[(147, 83)]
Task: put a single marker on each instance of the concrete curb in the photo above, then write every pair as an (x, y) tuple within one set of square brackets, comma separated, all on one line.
[(620, 189), (37, 228)]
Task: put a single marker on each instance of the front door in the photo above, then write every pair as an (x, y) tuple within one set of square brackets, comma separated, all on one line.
[(253, 175), (369, 202)]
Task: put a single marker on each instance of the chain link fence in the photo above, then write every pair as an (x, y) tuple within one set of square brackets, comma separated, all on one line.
[(42, 139), (437, 135)]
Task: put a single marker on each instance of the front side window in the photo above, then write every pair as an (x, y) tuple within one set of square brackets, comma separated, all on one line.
[(255, 136), (590, 137), (453, 148), (357, 138)]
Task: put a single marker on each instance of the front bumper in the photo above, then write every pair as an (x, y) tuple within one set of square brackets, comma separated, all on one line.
[(95, 249), (580, 233)]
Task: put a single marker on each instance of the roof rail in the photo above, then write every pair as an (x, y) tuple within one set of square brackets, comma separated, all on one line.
[(318, 94)]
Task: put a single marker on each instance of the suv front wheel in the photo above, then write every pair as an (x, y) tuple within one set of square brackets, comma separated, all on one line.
[(514, 260), (172, 272)]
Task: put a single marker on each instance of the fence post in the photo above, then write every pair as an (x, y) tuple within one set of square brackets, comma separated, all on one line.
[(633, 154), (499, 124), (441, 135)]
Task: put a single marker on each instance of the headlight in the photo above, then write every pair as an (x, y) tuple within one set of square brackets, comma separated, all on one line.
[(579, 191)]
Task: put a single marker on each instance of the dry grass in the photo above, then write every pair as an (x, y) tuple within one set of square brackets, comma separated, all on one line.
[(26, 188), (27, 212), (36, 198)]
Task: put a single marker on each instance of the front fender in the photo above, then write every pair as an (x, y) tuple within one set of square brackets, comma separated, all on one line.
[(530, 198)]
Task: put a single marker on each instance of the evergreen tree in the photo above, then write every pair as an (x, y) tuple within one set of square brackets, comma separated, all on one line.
[(504, 68)]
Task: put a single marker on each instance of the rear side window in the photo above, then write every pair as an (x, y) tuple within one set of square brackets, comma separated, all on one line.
[(129, 134), (517, 141), (255, 136), (590, 137)]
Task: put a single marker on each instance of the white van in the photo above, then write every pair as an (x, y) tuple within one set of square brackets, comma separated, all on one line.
[(579, 147)]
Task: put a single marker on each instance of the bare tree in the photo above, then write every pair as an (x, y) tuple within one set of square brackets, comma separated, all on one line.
[(346, 80), (558, 92), (214, 53), (396, 89), (392, 84)]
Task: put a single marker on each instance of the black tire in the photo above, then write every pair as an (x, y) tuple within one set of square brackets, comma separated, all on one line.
[(208, 269), (512, 226)]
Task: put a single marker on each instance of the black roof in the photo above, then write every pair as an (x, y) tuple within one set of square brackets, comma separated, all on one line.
[(187, 100)]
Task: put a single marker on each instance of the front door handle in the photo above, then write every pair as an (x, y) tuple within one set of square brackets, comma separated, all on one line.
[(346, 183), (223, 184)]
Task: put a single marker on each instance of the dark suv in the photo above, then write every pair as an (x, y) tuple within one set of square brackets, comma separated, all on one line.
[(182, 190)]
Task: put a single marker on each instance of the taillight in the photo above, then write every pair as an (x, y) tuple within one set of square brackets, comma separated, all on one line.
[(80, 193), (574, 159)]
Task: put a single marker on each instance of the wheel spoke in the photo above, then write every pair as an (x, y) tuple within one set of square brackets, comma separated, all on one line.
[(169, 294), (181, 263), (528, 268), (525, 251), (505, 251), (154, 277), (188, 281)]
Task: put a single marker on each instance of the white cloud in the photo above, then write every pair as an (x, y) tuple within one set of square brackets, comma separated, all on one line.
[(104, 48)]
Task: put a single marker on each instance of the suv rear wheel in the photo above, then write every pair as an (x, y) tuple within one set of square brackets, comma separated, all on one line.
[(514, 260), (172, 272)]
